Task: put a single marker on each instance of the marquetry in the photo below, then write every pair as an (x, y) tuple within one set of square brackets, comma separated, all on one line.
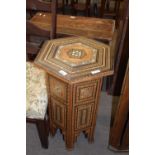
[(76, 67)]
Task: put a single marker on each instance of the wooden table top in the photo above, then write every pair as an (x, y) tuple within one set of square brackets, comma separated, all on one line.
[(96, 28), (75, 59)]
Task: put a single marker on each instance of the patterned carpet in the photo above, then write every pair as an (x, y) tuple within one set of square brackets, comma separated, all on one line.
[(82, 147)]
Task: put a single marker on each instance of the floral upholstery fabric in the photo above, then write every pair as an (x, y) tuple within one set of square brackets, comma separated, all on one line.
[(36, 92)]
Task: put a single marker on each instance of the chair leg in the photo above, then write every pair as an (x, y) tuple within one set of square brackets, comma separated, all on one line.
[(43, 132)]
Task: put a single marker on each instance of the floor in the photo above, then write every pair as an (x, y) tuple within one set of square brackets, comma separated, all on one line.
[(82, 147)]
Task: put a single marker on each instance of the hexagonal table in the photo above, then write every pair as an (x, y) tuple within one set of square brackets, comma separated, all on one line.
[(76, 66)]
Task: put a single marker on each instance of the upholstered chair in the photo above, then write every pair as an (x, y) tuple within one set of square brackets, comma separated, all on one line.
[(37, 99)]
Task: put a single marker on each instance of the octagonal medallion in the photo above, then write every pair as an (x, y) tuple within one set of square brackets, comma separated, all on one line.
[(75, 57)]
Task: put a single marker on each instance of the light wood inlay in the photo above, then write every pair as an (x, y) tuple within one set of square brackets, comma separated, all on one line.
[(84, 116), (58, 89), (53, 62), (75, 90), (86, 91), (59, 113)]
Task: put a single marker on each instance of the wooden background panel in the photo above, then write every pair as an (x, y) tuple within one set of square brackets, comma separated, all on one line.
[(81, 26)]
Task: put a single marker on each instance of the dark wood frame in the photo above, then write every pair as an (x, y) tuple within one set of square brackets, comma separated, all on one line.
[(32, 49), (122, 55), (114, 83), (43, 130), (119, 131), (75, 5), (104, 9), (42, 125), (34, 6)]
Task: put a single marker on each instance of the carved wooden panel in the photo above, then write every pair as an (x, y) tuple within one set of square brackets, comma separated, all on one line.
[(86, 91), (76, 66), (83, 115), (59, 113), (58, 89)]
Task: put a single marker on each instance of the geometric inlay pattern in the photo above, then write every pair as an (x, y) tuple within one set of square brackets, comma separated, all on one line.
[(75, 57), (76, 66), (59, 113), (76, 53), (58, 89), (84, 114), (86, 91)]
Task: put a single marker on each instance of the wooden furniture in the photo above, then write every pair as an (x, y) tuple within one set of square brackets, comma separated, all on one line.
[(76, 67), (121, 52), (100, 29), (32, 47), (119, 131), (36, 83), (34, 6), (84, 7), (102, 8), (106, 10), (37, 100)]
